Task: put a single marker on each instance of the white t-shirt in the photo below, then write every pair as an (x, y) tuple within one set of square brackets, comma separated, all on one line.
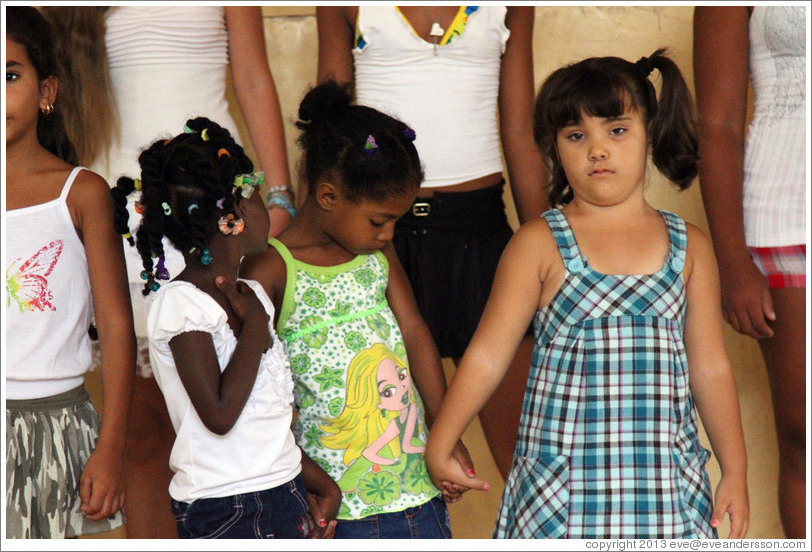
[(259, 452)]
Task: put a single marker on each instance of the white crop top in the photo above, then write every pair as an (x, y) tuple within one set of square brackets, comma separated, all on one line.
[(449, 99), (48, 305), (775, 185)]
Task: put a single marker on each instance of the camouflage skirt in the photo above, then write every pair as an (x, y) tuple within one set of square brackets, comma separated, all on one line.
[(48, 442)]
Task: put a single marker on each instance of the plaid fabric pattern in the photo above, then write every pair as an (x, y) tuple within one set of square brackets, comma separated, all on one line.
[(608, 444), (784, 267)]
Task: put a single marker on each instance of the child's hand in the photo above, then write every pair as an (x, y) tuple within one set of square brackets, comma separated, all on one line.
[(101, 487), (246, 305), (452, 492), (731, 497), (446, 472), (323, 507)]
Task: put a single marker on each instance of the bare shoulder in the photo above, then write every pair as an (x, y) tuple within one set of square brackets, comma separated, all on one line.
[(268, 268), (699, 252), (89, 191)]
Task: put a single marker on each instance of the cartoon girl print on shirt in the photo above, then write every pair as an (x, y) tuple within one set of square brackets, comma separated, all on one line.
[(378, 426)]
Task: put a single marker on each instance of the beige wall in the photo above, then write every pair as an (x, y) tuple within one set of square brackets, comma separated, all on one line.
[(564, 35)]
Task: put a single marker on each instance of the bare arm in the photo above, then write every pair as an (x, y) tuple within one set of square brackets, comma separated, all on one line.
[(219, 397), (424, 359), (526, 171), (336, 31), (721, 50), (102, 483), (256, 94), (712, 383), (513, 301)]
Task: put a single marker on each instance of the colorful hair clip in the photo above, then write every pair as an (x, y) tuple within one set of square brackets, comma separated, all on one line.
[(187, 130), (137, 184), (204, 135), (220, 202), (167, 208), (161, 272), (409, 134), (230, 225), (145, 274), (371, 146), (223, 152), (139, 207), (205, 258), (129, 237), (247, 182), (191, 208)]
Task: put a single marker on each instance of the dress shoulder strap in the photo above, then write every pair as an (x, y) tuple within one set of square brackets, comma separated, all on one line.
[(678, 239), (565, 240)]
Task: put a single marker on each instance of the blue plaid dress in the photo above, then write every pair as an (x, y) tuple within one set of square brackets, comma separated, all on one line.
[(608, 444)]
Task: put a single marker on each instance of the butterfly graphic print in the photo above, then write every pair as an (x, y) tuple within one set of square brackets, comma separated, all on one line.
[(27, 283)]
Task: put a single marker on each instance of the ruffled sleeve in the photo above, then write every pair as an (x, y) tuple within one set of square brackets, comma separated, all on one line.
[(181, 307)]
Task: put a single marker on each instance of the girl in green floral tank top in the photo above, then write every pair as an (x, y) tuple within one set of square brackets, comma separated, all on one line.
[(368, 377)]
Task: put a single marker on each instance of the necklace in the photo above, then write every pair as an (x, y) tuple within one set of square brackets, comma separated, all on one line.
[(436, 31)]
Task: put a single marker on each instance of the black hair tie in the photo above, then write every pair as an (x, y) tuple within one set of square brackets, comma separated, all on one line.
[(644, 66)]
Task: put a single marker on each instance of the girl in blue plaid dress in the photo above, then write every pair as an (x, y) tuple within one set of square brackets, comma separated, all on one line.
[(625, 304)]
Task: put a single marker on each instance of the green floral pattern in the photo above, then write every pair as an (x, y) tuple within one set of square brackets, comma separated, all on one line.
[(330, 314), (379, 488)]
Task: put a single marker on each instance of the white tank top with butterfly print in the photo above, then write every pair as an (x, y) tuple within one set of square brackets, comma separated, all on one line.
[(48, 301)]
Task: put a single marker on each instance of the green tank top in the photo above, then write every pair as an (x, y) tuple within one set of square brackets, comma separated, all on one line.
[(359, 415)]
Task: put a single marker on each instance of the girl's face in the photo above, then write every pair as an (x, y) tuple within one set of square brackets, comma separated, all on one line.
[(366, 226), (394, 386), (257, 223), (604, 158), (25, 95)]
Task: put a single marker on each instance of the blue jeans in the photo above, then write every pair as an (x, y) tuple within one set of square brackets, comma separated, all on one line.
[(277, 513), (427, 521)]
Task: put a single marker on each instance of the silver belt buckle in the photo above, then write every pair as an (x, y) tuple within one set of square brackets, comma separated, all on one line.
[(421, 209)]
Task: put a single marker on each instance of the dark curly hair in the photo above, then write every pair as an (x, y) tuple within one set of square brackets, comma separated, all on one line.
[(334, 133), (606, 87), (195, 168), (27, 27)]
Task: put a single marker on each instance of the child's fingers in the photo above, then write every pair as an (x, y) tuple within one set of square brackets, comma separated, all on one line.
[(718, 513), (739, 524)]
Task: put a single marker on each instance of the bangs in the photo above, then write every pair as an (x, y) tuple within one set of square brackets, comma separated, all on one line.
[(596, 93)]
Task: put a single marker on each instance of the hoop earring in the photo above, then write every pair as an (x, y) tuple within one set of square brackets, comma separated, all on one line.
[(48, 109)]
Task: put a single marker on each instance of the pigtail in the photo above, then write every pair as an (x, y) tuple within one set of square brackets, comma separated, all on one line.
[(673, 130), (121, 217)]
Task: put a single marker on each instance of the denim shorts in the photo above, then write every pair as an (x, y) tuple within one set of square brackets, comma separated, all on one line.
[(277, 513), (427, 521)]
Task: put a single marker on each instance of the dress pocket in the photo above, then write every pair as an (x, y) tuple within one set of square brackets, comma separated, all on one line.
[(538, 498), (697, 498)]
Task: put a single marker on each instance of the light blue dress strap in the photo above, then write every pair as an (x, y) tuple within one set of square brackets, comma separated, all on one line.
[(565, 240)]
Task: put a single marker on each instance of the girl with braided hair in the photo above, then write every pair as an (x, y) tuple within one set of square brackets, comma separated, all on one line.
[(624, 300), (238, 472)]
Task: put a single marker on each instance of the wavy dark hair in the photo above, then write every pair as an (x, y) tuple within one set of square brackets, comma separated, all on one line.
[(193, 168), (606, 87), (27, 27), (333, 136)]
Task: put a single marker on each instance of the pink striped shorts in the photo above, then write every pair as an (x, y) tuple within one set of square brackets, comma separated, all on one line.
[(783, 266)]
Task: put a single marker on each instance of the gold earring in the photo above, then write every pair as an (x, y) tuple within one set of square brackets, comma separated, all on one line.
[(48, 109)]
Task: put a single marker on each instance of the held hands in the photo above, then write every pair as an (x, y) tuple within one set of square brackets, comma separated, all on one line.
[(101, 487), (451, 474), (452, 492), (746, 301), (247, 307), (731, 497)]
